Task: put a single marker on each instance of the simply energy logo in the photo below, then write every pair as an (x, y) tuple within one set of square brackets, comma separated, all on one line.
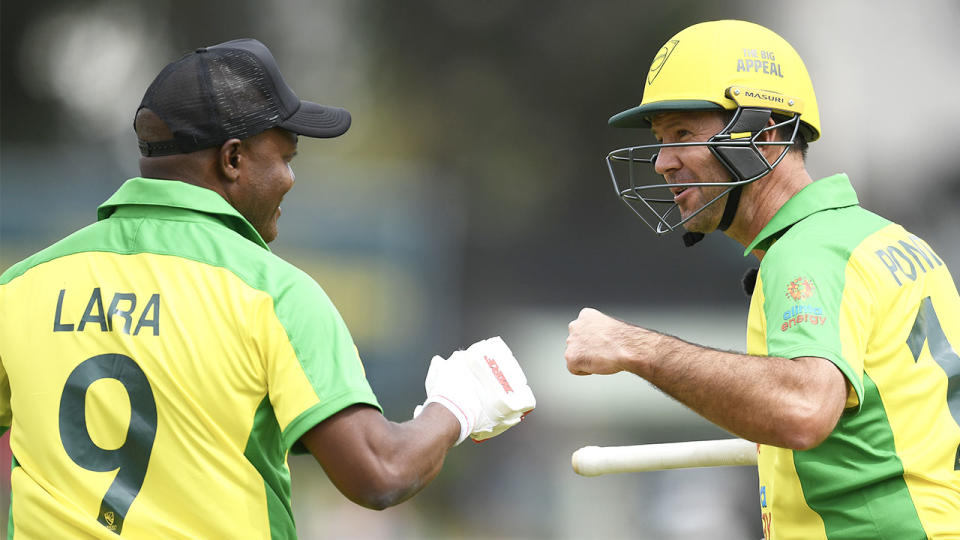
[(799, 290)]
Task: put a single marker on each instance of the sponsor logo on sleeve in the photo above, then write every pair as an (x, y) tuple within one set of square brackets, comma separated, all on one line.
[(805, 312)]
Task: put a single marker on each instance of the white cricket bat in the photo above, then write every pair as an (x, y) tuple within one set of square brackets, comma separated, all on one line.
[(597, 460)]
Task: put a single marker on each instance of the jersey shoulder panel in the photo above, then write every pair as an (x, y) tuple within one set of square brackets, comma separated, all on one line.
[(807, 298)]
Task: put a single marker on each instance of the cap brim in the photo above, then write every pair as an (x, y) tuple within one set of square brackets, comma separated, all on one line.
[(315, 120), (639, 116)]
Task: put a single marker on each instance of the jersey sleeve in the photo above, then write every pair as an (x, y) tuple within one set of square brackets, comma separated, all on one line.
[(815, 306), (312, 364), (6, 413)]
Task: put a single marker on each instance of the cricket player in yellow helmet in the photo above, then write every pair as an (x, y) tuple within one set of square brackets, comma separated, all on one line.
[(850, 383)]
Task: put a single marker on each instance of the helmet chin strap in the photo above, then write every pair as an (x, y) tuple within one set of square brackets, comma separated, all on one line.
[(691, 238), (729, 212)]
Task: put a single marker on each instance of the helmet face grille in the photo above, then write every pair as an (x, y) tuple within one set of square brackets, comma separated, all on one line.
[(742, 157)]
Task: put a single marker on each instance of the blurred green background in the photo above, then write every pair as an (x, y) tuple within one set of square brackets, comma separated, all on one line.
[(470, 198)]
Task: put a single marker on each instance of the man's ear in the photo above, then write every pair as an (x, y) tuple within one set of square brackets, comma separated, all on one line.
[(229, 160), (772, 152)]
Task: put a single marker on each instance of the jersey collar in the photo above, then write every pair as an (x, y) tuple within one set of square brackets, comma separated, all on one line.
[(830, 192), (173, 194)]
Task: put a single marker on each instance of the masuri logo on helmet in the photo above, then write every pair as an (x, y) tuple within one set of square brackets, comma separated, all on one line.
[(719, 65)]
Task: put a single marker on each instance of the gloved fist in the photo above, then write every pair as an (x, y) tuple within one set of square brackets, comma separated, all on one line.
[(452, 386), (504, 394), (482, 386)]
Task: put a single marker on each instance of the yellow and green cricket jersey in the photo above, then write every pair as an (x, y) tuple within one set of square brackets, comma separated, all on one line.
[(157, 367), (841, 283)]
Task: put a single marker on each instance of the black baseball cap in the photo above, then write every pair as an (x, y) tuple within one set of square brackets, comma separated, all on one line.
[(230, 90)]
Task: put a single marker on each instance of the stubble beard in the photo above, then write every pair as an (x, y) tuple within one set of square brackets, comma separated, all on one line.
[(707, 220)]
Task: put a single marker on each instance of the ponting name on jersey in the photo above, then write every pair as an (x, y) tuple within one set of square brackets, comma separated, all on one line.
[(895, 259)]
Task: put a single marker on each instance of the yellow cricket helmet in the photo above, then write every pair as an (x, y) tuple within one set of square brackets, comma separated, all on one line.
[(719, 65), (725, 65)]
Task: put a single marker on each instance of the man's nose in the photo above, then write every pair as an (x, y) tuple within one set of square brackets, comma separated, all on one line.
[(666, 160)]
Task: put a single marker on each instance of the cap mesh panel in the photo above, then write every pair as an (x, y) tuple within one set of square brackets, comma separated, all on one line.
[(206, 99), (242, 95)]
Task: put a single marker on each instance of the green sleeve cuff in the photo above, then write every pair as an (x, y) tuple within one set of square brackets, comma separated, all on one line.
[(320, 412), (805, 350)]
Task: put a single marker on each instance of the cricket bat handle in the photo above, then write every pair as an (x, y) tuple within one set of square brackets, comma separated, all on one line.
[(597, 460)]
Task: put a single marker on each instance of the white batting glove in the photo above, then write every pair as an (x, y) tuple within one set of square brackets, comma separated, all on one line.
[(483, 387), (505, 396), (452, 386)]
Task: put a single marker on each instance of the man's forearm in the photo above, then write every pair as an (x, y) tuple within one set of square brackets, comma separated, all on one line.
[(791, 403), (377, 463)]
